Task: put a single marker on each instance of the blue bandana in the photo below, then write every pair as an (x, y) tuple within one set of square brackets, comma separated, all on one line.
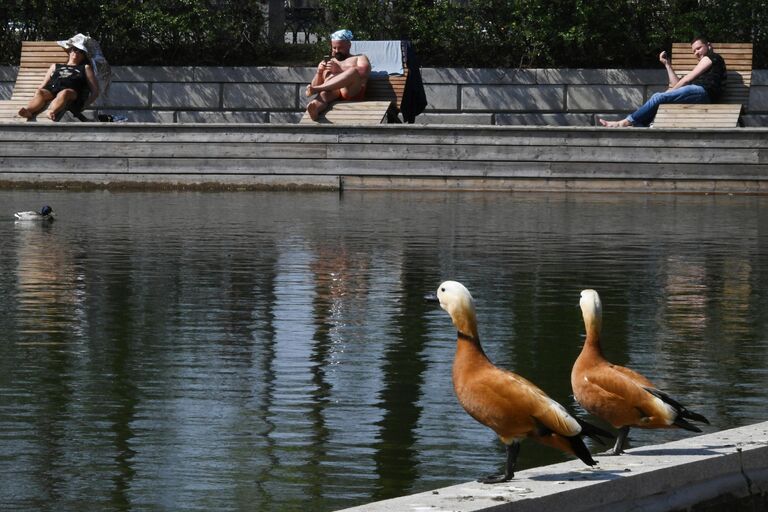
[(342, 35)]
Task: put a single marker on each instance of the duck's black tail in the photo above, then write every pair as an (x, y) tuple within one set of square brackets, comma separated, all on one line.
[(581, 450), (591, 431), (683, 414)]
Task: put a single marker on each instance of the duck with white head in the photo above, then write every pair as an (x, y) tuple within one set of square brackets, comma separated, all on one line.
[(513, 407), (618, 395)]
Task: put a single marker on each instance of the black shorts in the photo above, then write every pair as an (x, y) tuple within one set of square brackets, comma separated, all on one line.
[(56, 86)]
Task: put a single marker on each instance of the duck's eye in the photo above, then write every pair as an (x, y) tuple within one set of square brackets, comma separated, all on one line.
[(442, 289)]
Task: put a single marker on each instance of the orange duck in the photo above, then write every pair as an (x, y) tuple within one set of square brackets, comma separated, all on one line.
[(510, 405), (618, 395)]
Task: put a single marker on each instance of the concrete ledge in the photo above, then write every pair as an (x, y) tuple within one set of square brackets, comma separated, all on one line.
[(758, 99), (495, 98), (760, 77), (259, 96), (152, 74), (545, 119), (589, 98), (442, 97), (455, 118), (177, 95), (8, 74), (724, 469), (474, 76), (126, 95), (221, 117), (602, 76)]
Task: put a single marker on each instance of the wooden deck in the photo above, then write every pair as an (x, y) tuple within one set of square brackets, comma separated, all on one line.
[(385, 156)]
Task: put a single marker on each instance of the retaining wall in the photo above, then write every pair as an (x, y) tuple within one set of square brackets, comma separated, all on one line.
[(560, 97), (726, 470), (530, 158)]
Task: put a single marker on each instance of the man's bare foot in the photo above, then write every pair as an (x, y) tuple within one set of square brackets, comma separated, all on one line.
[(52, 115), (25, 113), (614, 124), (314, 108)]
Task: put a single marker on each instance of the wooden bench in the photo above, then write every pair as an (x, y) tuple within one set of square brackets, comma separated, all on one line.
[(725, 113), (36, 58), (383, 95)]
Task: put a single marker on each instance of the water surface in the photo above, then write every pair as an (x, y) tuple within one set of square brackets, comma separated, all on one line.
[(272, 351)]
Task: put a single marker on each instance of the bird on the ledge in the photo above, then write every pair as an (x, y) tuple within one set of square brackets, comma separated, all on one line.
[(513, 407), (45, 213), (618, 395)]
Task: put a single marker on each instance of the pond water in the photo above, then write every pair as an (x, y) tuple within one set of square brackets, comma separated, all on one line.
[(272, 351)]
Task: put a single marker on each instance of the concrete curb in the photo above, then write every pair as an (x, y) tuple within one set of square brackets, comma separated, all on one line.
[(708, 472)]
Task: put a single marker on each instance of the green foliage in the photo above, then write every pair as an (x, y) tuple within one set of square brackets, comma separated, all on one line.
[(167, 32), (449, 33), (551, 33)]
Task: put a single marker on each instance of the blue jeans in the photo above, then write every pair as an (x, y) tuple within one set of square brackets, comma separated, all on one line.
[(686, 94)]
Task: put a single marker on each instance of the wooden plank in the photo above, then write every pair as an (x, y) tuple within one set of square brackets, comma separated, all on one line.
[(352, 112), (737, 58), (71, 168), (164, 150)]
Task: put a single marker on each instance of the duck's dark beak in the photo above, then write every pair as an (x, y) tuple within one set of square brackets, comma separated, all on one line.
[(431, 297)]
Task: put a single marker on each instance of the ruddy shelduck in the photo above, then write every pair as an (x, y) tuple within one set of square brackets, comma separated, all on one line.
[(513, 407), (618, 395)]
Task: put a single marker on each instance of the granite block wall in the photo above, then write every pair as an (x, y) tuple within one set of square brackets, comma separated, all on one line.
[(561, 97)]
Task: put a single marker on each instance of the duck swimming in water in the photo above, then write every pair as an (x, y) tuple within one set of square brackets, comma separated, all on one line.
[(618, 395), (45, 213), (513, 407)]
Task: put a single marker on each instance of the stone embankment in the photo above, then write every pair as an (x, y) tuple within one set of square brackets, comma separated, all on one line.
[(726, 470)]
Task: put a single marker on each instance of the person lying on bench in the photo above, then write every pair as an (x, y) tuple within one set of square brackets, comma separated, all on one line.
[(339, 76), (703, 84), (65, 84)]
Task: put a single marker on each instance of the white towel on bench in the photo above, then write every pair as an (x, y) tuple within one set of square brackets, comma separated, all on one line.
[(386, 57)]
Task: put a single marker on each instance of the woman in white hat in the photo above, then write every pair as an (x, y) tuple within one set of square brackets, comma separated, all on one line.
[(65, 84)]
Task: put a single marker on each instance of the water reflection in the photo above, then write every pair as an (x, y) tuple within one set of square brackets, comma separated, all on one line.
[(49, 287), (285, 360)]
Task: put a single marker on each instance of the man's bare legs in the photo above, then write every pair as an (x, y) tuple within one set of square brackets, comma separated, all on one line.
[(348, 79), (320, 103), (615, 124), (36, 104)]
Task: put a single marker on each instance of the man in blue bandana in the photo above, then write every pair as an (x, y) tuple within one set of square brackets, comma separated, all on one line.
[(339, 76)]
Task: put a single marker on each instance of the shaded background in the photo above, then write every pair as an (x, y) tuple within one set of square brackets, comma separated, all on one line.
[(446, 33)]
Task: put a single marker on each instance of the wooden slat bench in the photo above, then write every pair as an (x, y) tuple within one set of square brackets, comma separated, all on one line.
[(36, 58), (383, 94), (724, 114)]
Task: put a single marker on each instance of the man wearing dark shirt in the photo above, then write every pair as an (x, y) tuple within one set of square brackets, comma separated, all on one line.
[(703, 84)]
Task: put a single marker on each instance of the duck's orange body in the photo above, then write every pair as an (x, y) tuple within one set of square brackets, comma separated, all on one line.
[(618, 395), (513, 407)]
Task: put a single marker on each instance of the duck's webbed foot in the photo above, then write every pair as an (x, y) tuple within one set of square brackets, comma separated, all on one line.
[(509, 472), (621, 439), (496, 479)]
